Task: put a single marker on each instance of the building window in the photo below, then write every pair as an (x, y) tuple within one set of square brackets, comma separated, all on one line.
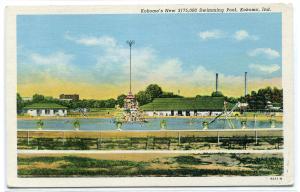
[(47, 111)]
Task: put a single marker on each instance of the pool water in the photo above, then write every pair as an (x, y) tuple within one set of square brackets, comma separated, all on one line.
[(152, 124)]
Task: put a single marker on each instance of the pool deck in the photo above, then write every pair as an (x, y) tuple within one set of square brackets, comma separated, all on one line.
[(261, 132), (248, 117)]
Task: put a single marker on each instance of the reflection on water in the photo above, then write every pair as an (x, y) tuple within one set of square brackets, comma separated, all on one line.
[(152, 124)]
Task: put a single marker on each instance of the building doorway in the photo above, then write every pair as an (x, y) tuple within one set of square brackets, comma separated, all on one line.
[(172, 112), (195, 113), (187, 113), (38, 112), (179, 113)]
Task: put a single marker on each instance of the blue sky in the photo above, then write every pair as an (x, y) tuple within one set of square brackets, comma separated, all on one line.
[(169, 49)]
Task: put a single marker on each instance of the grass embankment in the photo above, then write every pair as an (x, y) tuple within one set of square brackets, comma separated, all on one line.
[(170, 165)]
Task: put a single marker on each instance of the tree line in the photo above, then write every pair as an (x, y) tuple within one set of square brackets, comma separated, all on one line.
[(256, 99), (259, 99), (151, 92)]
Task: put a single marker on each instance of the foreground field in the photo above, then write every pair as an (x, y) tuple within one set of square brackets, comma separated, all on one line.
[(154, 164)]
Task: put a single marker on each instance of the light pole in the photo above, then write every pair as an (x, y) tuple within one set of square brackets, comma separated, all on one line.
[(130, 43), (246, 84)]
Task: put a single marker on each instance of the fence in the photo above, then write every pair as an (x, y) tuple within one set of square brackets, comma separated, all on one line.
[(150, 140)]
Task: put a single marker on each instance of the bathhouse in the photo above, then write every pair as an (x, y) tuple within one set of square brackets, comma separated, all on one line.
[(46, 109), (196, 106)]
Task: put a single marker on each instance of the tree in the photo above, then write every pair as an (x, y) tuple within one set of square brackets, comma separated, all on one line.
[(36, 98), (110, 103), (258, 100), (154, 91), (231, 99), (170, 95), (20, 103), (120, 100), (143, 98), (217, 94)]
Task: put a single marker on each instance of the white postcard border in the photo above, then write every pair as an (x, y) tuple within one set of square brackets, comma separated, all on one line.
[(11, 126)]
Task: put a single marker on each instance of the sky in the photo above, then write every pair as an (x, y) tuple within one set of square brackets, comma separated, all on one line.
[(88, 54)]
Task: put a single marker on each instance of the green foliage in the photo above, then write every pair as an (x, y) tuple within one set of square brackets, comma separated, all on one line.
[(270, 163), (154, 91), (20, 103), (76, 124), (205, 125), (40, 124), (85, 103), (217, 94), (37, 98), (183, 166), (170, 95), (79, 166), (258, 100), (120, 100), (231, 99), (138, 143), (163, 124), (118, 124), (78, 144), (143, 97), (191, 160)]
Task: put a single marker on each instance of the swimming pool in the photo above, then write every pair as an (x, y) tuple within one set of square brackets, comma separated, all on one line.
[(152, 124)]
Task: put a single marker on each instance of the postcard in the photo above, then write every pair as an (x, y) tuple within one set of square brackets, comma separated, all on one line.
[(172, 95)]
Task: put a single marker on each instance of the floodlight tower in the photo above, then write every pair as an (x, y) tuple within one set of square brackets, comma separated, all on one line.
[(217, 79), (246, 84), (130, 43)]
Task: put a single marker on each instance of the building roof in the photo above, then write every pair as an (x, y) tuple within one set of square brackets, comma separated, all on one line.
[(199, 103), (45, 106)]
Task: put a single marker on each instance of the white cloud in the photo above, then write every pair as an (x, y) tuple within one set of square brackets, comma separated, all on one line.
[(112, 68), (106, 41), (243, 35), (55, 59), (265, 68), (36, 67), (212, 34), (268, 52), (239, 35)]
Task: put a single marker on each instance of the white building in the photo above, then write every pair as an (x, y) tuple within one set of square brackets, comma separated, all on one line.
[(27, 98), (46, 109)]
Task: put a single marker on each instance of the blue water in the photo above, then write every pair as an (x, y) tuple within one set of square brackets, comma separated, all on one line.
[(152, 124)]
